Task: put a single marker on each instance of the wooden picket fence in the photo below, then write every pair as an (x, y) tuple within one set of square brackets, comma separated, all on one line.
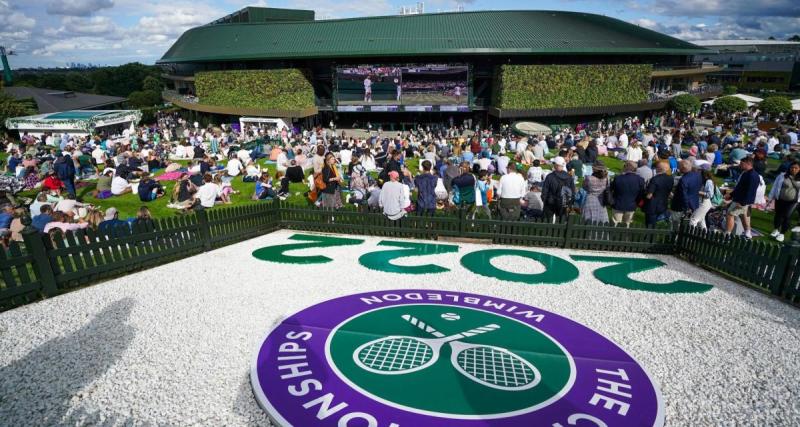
[(45, 266)]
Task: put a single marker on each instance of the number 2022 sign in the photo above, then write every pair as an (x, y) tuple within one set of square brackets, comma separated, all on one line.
[(557, 270)]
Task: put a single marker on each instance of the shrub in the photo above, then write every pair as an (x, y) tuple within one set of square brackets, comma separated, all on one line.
[(685, 103), (776, 105), (729, 104), (529, 87), (285, 89), (729, 90)]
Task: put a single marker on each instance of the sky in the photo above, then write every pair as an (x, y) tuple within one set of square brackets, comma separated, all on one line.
[(54, 33)]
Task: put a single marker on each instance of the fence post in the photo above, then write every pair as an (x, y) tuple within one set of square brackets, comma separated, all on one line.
[(571, 219), (679, 234), (786, 263), (205, 229), (461, 216), (277, 205), (34, 244)]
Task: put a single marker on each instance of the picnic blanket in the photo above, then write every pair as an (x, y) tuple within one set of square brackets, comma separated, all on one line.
[(169, 176)]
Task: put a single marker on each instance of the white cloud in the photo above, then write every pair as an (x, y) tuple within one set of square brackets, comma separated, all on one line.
[(78, 7)]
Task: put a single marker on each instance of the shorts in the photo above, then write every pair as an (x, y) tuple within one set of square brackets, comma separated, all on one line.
[(735, 209)]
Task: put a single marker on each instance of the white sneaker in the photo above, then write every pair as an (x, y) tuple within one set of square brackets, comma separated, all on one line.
[(748, 234), (780, 238), (775, 233)]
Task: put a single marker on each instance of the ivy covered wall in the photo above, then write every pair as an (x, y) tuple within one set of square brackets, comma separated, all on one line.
[(285, 89), (531, 87)]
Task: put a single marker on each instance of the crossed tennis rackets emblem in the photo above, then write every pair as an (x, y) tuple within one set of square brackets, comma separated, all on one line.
[(491, 366)]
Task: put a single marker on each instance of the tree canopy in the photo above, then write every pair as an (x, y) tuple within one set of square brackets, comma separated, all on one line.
[(729, 104), (113, 81), (685, 103), (776, 105)]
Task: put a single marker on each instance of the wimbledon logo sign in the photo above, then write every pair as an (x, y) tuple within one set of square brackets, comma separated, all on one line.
[(440, 358)]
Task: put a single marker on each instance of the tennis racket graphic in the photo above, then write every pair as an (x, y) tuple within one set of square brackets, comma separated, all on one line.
[(396, 354), (494, 367)]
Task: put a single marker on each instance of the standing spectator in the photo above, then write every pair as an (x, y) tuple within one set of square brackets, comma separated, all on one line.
[(658, 191), (464, 184), (706, 194), (331, 197), (687, 194), (511, 190), (786, 194), (595, 184), (744, 195), (626, 190), (65, 170), (558, 191), (426, 190)]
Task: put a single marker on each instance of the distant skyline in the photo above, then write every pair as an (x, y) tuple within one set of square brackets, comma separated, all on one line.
[(54, 33)]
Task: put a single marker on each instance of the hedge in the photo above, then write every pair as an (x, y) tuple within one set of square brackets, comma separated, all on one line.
[(776, 105), (729, 104), (285, 89), (685, 103), (531, 87)]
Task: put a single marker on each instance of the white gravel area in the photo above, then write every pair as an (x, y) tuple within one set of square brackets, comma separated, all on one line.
[(173, 345)]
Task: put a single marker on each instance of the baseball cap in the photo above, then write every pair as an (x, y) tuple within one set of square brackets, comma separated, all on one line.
[(559, 161), (110, 213)]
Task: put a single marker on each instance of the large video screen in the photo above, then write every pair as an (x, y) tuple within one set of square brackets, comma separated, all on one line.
[(403, 85)]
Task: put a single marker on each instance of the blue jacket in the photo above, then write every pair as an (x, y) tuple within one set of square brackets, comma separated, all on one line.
[(39, 221), (745, 191), (65, 168), (687, 194), (426, 185), (627, 189)]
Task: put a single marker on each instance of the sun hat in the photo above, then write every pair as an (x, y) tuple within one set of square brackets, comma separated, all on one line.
[(110, 213), (559, 161)]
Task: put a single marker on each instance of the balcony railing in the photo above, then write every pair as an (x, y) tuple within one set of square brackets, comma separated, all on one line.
[(656, 96)]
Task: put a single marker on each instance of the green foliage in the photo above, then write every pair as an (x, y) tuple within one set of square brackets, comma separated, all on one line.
[(730, 90), (286, 89), (729, 104), (153, 84), (776, 105), (10, 107), (113, 81), (685, 103), (144, 98), (529, 87)]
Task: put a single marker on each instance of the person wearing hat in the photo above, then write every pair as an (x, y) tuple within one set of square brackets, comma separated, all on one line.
[(558, 191)]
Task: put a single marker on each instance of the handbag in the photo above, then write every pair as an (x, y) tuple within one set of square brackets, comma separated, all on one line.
[(607, 199)]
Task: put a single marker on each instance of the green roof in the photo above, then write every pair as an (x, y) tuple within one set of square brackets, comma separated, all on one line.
[(481, 33)]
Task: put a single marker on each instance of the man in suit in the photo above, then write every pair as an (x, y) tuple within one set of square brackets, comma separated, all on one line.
[(627, 189), (657, 197)]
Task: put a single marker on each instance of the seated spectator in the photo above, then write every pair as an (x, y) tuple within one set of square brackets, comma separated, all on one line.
[(264, 188), (208, 192), (112, 225), (235, 166), (120, 186), (223, 181), (43, 218), (149, 189), (252, 172), (63, 222), (182, 194), (532, 204), (144, 221), (103, 188), (295, 172), (6, 216), (68, 206), (51, 182)]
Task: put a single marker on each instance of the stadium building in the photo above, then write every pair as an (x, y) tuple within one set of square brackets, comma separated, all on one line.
[(486, 65), (754, 65)]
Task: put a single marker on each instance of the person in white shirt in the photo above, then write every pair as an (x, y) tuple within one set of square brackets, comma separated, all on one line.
[(243, 155), (367, 90), (772, 142), (622, 141), (536, 174), (512, 188), (208, 192), (99, 155), (345, 155), (522, 145), (634, 152), (502, 165), (282, 162), (234, 167), (119, 186)]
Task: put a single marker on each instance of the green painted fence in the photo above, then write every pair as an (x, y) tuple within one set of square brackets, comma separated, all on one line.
[(46, 266)]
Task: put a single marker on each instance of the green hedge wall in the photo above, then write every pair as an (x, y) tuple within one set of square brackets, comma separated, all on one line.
[(531, 87), (286, 89)]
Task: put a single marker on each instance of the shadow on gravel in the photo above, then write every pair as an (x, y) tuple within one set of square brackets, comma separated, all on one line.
[(42, 387)]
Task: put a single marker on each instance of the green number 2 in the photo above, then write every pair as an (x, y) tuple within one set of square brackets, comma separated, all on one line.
[(617, 275), (276, 253), (380, 260)]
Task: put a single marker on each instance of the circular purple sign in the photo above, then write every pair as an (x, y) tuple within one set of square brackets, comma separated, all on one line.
[(432, 358)]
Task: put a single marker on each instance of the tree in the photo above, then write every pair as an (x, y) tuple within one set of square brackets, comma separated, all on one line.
[(685, 103), (153, 84), (794, 38), (729, 104), (78, 82), (776, 105), (730, 90), (771, 38), (10, 107), (144, 98)]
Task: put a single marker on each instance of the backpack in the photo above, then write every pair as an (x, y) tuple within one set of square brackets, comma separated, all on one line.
[(566, 197), (716, 199)]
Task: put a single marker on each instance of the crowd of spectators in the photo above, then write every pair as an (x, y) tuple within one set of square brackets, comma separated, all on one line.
[(670, 172)]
